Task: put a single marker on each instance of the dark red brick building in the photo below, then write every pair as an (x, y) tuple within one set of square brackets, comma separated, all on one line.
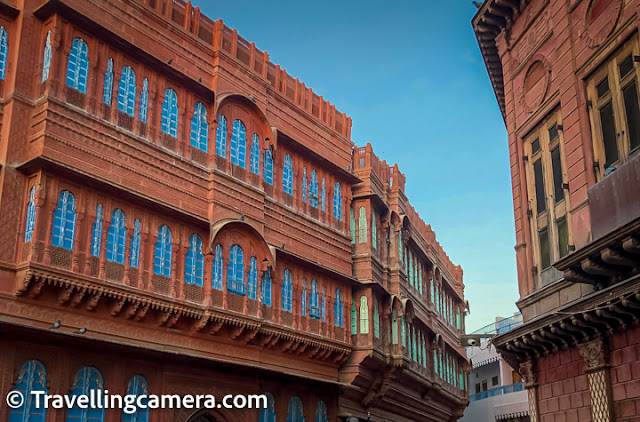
[(565, 74), (180, 216)]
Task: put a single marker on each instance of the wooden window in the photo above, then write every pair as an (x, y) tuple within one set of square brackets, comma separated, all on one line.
[(545, 169), (615, 109)]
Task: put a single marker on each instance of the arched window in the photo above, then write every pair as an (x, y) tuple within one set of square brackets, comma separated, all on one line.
[(96, 232), (314, 304), (376, 318), (338, 310), (321, 412), (268, 414), (435, 361), (163, 251), (216, 276), (267, 170), (400, 247), (116, 237), (255, 154), (46, 61), (287, 290), (64, 221), (265, 288), (364, 316), (323, 197), (4, 51), (107, 90), (170, 113), (137, 387), (78, 66), (287, 175), (221, 137), (304, 185), (403, 331), (86, 379), (31, 215), (200, 128), (32, 376), (252, 282), (374, 230), (362, 225), (337, 201), (313, 189), (458, 319), (127, 91), (239, 144), (352, 225), (324, 304), (144, 101), (235, 271), (303, 298), (194, 262), (354, 318), (296, 411), (394, 326), (134, 255)]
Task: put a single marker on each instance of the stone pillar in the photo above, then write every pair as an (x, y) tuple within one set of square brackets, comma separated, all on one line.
[(531, 383), (597, 371)]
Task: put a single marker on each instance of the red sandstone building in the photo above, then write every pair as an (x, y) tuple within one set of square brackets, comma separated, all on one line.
[(565, 74), (180, 216)]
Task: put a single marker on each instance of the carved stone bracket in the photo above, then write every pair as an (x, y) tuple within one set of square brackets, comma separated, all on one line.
[(593, 354)]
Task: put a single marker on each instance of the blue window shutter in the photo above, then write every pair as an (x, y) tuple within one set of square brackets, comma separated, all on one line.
[(96, 233), (116, 237), (252, 282), (4, 51), (31, 215), (78, 66), (221, 137), (268, 167), (169, 124), (337, 201), (194, 262), (32, 376), (265, 288), (144, 101), (296, 411), (323, 197), (46, 60), (127, 91), (239, 144), (138, 386), (107, 93), (200, 128), (268, 414), (304, 185), (255, 154), (217, 268), (64, 221), (134, 255)]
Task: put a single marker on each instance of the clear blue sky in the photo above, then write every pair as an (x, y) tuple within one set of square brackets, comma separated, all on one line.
[(411, 76)]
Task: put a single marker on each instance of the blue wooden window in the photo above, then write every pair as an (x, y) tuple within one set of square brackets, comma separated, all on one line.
[(239, 144), (287, 290), (144, 101), (216, 274), (304, 185), (324, 304), (321, 412), (221, 137), (78, 66), (169, 121), (337, 201), (170, 113), (352, 226), (252, 279), (255, 154), (268, 414), (364, 316), (354, 318), (323, 197), (194, 262), (200, 128), (32, 376), (46, 61), (296, 410), (267, 170), (163, 251), (31, 215), (314, 303), (86, 379), (303, 298), (4, 51), (107, 91), (362, 225), (137, 387), (265, 288), (313, 189), (116, 237), (287, 175), (134, 255), (64, 221), (96, 232), (235, 271), (338, 310), (127, 91)]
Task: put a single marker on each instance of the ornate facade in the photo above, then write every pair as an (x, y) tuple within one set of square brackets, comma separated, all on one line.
[(181, 216), (566, 77)]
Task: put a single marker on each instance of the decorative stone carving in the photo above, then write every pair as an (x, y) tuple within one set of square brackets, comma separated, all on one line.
[(528, 373), (593, 354)]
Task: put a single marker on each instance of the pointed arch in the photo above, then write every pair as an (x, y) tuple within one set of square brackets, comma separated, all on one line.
[(268, 414), (169, 124), (127, 91), (144, 101), (138, 386), (239, 144), (86, 379), (296, 410), (235, 271), (337, 201), (255, 154), (96, 233), (194, 262), (64, 221), (217, 273), (221, 137), (116, 237), (287, 291), (107, 90), (46, 60), (78, 65), (163, 252), (32, 376), (31, 215), (313, 189), (287, 175)]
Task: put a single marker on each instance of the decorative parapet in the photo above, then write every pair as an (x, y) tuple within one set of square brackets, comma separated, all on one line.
[(222, 38)]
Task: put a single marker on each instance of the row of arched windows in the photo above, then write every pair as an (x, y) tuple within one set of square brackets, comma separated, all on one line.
[(447, 367), (295, 411), (32, 376)]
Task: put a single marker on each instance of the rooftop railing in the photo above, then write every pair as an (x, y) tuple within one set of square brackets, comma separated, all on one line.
[(498, 391), (502, 326)]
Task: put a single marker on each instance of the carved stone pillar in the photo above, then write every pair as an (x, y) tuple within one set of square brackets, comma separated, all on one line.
[(531, 383), (597, 371)]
